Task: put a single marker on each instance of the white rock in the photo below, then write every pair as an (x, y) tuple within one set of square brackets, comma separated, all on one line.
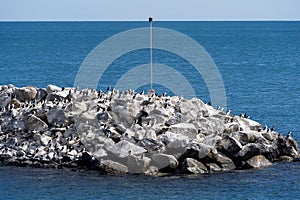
[(123, 148), (175, 140), (164, 160), (186, 129)]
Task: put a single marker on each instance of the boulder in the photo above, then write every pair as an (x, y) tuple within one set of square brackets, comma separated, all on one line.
[(230, 144), (271, 136), (243, 137), (53, 88), (123, 117), (78, 107), (58, 96), (137, 164), (4, 99), (113, 168), (99, 153), (292, 142), (56, 117), (193, 166), (124, 148), (203, 150), (286, 158), (212, 140), (41, 94), (226, 163), (26, 93), (258, 162), (186, 129), (176, 119), (290, 151), (34, 123), (231, 128), (213, 167), (250, 150), (163, 161), (175, 141)]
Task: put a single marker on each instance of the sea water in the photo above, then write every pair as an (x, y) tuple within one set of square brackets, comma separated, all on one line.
[(260, 66)]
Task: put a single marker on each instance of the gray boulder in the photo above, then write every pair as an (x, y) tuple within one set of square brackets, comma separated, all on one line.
[(226, 163), (203, 150), (4, 99), (113, 168), (162, 161), (212, 140), (56, 117), (137, 164)]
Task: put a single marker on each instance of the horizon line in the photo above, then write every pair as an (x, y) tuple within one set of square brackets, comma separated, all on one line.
[(170, 20)]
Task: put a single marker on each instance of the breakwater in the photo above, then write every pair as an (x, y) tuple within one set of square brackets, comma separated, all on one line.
[(118, 132)]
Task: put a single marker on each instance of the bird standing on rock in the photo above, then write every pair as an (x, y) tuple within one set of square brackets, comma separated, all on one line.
[(288, 135)]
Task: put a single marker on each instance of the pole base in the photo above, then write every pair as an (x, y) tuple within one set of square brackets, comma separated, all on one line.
[(151, 91)]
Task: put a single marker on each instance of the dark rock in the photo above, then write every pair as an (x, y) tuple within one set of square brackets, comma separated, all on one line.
[(250, 150), (41, 95), (34, 123), (286, 159), (226, 163), (25, 93), (203, 150), (230, 144)]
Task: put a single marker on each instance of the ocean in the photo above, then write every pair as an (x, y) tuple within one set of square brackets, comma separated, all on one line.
[(260, 66)]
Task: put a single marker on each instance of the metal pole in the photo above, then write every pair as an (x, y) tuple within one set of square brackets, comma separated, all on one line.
[(150, 21)]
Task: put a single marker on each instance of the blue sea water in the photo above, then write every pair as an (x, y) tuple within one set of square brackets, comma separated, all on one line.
[(260, 66)]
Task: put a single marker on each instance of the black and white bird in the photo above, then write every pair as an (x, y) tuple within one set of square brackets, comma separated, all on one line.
[(288, 135)]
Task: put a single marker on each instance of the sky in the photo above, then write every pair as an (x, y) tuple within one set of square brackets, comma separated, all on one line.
[(136, 10)]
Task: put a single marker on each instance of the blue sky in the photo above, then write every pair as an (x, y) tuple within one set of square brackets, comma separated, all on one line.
[(39, 10)]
